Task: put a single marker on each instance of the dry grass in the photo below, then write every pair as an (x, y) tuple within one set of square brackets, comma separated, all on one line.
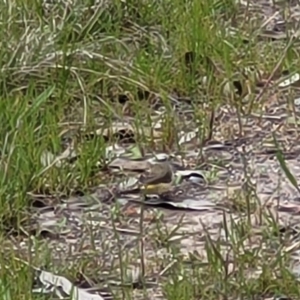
[(91, 91)]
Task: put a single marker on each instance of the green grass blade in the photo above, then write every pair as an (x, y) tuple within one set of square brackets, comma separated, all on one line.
[(36, 104), (283, 165)]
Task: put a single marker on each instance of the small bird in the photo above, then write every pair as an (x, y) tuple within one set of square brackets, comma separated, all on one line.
[(159, 180)]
